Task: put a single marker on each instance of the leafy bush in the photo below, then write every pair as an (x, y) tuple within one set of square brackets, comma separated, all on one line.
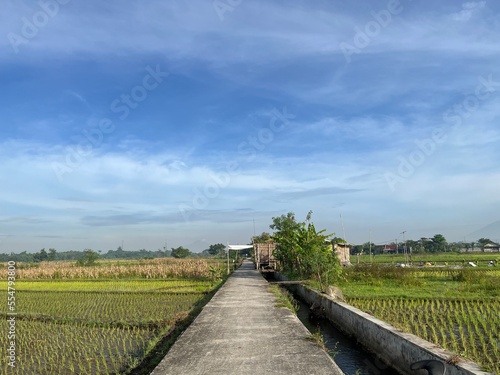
[(303, 251), (89, 258)]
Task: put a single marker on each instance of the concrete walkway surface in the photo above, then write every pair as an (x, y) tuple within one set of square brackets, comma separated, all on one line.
[(241, 331)]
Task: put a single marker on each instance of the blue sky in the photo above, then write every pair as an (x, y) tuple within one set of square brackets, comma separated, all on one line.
[(194, 122)]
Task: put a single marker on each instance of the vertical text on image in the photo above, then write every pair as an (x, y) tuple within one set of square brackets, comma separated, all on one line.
[(11, 313)]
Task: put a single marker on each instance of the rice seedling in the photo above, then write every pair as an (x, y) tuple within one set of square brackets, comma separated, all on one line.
[(458, 309), (54, 348), (99, 320), (469, 328), (120, 285), (123, 308)]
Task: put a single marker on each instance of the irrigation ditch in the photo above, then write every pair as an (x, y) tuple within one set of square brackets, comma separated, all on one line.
[(362, 344), (350, 355)]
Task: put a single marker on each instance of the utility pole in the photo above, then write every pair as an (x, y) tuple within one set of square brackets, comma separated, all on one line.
[(227, 246), (404, 247), (370, 245)]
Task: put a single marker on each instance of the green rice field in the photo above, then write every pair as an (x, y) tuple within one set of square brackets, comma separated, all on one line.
[(88, 325), (457, 309)]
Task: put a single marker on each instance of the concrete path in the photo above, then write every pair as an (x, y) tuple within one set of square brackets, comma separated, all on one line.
[(240, 331)]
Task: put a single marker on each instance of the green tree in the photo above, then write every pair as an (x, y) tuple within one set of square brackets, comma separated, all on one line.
[(412, 246), (356, 249), (217, 249), (303, 250), (52, 255), (319, 261), (439, 243), (287, 251), (262, 238), (338, 240), (367, 247), (180, 252), (425, 245), (455, 246), (89, 258), (41, 256)]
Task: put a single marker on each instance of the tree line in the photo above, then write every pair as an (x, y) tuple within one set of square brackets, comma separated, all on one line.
[(435, 244), (215, 250)]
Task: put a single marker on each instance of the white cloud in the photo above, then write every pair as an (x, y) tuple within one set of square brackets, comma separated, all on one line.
[(468, 10), (354, 122)]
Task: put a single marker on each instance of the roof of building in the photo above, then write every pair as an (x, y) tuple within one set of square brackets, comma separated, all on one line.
[(491, 244)]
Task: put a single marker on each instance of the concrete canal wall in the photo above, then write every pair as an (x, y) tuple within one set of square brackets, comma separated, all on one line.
[(396, 348)]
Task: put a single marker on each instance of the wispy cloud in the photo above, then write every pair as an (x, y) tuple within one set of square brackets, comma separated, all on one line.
[(23, 220), (468, 10), (293, 196), (208, 125)]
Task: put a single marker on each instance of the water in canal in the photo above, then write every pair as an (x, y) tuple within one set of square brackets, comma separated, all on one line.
[(349, 356)]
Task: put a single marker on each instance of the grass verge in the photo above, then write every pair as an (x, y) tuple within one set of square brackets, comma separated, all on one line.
[(284, 298)]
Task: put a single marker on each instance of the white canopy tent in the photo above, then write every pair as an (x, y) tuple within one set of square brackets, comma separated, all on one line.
[(238, 247), (235, 247)]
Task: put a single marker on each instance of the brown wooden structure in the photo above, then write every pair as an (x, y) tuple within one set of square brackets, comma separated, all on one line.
[(263, 255), (343, 252)]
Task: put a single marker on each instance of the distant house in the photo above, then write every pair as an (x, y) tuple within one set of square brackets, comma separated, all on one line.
[(390, 249), (491, 247), (343, 252)]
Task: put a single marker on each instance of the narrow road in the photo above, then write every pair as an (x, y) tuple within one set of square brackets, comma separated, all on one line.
[(241, 331)]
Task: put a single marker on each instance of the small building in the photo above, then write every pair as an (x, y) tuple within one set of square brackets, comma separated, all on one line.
[(391, 248), (263, 255), (343, 252), (491, 247)]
